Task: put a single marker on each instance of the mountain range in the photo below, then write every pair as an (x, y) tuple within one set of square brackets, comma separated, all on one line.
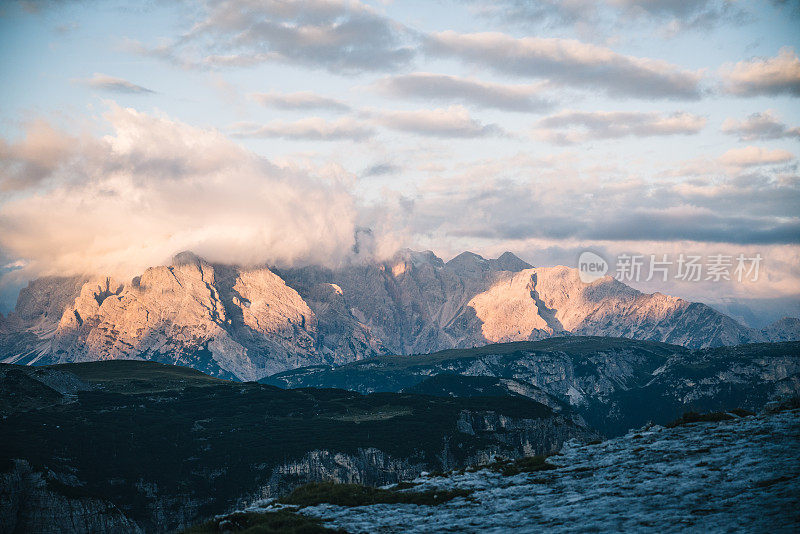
[(249, 323)]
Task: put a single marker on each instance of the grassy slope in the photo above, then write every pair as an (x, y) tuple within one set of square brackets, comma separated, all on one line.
[(136, 376)]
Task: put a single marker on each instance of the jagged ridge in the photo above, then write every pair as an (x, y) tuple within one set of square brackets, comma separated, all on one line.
[(246, 323)]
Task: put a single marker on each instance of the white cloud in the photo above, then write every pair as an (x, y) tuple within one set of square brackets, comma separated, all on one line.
[(752, 156), (453, 121), (570, 62), (575, 126), (764, 125), (764, 76), (338, 35), (130, 200), (33, 159), (310, 128), (114, 85), (595, 18), (429, 86), (301, 100)]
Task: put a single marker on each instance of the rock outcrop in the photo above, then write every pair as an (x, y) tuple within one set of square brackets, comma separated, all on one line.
[(615, 384), (30, 502)]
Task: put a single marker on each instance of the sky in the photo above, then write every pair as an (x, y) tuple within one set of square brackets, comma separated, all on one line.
[(329, 131)]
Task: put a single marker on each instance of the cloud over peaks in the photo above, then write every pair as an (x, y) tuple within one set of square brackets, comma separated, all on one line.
[(130, 200)]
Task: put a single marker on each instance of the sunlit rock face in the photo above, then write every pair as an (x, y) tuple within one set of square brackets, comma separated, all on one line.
[(537, 303), (247, 323), (227, 321)]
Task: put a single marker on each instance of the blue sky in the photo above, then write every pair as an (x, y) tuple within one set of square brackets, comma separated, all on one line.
[(131, 129)]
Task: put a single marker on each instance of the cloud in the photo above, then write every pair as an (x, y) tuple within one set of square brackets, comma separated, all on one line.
[(32, 160), (156, 186), (310, 128), (381, 169), (561, 201), (764, 76), (429, 86), (764, 125), (303, 100), (541, 12), (596, 17), (453, 121), (115, 85), (338, 35), (569, 62), (576, 126), (752, 156), (684, 14)]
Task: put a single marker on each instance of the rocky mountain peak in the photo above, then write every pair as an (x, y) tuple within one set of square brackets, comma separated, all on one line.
[(187, 257), (471, 264), (246, 323), (468, 262), (508, 261), (407, 259)]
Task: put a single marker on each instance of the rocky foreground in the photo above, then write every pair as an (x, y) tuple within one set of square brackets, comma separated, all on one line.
[(735, 475)]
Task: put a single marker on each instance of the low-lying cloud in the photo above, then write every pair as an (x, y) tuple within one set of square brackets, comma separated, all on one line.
[(155, 186)]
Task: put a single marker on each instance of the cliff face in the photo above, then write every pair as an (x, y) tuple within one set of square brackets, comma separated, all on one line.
[(503, 436), (248, 323), (137, 445), (738, 475), (29, 502)]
